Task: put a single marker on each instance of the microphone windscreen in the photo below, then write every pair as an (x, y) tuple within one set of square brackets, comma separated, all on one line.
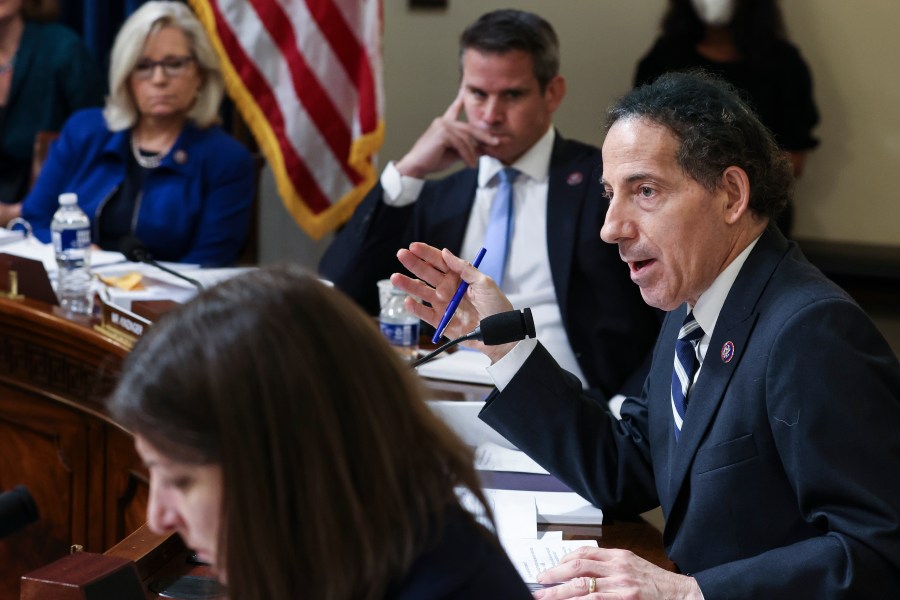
[(530, 331), (133, 248), (506, 327), (17, 509)]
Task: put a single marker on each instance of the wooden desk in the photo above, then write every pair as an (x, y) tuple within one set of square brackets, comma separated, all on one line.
[(80, 467)]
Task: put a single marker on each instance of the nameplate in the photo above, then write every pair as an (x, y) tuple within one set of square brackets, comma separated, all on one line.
[(31, 278), (120, 324)]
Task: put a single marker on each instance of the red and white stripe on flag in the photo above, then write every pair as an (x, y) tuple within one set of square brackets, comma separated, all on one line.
[(306, 76)]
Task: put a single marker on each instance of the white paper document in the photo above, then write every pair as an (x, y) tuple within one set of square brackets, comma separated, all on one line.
[(463, 365), (155, 285), (516, 514), (34, 249), (532, 557), (8, 237), (462, 418), (494, 457), (160, 285), (559, 508)]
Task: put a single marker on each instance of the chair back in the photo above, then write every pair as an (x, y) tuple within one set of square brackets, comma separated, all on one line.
[(42, 141)]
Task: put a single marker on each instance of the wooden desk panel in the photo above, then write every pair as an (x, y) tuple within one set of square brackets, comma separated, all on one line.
[(81, 468)]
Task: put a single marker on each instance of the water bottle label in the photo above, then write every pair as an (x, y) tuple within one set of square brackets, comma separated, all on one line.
[(400, 334), (71, 239)]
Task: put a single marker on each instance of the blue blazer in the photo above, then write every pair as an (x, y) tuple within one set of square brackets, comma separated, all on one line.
[(195, 207), (784, 483), (609, 327)]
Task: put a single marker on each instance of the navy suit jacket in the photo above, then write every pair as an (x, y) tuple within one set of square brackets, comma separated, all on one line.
[(609, 327), (464, 562), (785, 482)]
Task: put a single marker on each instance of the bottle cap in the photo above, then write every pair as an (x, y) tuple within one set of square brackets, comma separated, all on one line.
[(68, 199)]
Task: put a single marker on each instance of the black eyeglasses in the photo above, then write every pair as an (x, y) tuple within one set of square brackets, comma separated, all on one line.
[(172, 66)]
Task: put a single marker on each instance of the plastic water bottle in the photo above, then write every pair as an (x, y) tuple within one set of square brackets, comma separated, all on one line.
[(399, 326), (71, 233)]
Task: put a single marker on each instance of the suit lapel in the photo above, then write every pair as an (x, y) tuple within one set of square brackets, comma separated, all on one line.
[(447, 226), (566, 192), (730, 337)]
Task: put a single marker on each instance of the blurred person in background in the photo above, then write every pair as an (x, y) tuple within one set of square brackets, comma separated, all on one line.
[(153, 164), (745, 43), (46, 74)]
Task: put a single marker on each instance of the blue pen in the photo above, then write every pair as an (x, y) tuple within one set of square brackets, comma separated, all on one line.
[(454, 302)]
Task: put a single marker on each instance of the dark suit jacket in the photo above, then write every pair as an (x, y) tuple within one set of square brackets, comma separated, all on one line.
[(609, 327), (463, 563), (786, 480)]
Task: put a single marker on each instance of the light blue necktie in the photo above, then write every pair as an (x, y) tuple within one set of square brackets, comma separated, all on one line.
[(499, 231), (686, 365)]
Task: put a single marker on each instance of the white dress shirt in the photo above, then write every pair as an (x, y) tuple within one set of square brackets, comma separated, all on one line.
[(527, 281), (709, 304)]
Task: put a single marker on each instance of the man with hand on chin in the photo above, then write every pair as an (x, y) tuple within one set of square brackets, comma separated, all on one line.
[(766, 428), (547, 256)]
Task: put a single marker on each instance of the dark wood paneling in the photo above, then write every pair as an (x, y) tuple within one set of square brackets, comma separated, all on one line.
[(55, 439)]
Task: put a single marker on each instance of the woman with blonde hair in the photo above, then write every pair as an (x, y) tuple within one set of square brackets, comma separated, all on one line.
[(291, 449), (153, 164)]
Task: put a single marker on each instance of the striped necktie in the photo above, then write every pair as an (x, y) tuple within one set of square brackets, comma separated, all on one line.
[(686, 364), (499, 231)]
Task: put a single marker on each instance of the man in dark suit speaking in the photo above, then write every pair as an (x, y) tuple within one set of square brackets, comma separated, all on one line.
[(528, 195), (767, 427)]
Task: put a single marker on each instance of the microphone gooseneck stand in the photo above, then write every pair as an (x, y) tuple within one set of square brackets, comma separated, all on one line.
[(502, 328)]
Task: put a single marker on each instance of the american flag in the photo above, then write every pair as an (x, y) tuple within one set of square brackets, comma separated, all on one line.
[(306, 76)]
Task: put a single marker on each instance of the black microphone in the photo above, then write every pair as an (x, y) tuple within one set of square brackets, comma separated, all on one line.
[(135, 251), (502, 328), (17, 509)]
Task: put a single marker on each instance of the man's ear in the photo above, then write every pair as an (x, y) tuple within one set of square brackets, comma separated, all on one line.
[(555, 92), (736, 186)]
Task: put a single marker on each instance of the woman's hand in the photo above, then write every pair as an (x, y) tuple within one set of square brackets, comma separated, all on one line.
[(8, 212)]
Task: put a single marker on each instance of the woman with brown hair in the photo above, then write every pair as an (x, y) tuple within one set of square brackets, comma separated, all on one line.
[(292, 450)]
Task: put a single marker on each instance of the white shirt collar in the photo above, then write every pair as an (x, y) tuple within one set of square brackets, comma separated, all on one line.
[(710, 302), (535, 162)]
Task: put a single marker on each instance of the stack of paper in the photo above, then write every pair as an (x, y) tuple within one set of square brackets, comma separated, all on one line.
[(533, 557), (462, 418), (496, 457), (155, 284), (516, 514), (559, 508), (463, 365), (7, 236)]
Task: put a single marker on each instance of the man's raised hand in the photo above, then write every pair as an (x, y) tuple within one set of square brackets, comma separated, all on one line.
[(446, 141)]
